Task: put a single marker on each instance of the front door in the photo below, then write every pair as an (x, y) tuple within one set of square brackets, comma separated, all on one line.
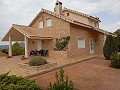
[(39, 45), (91, 41)]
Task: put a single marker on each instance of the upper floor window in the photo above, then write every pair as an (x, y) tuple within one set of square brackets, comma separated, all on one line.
[(91, 22), (96, 24), (41, 24), (48, 22)]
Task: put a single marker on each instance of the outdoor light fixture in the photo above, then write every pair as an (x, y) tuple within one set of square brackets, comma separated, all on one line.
[(33, 42), (42, 41)]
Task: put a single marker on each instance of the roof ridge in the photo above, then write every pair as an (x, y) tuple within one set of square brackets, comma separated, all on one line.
[(77, 12), (19, 25), (22, 26), (53, 14)]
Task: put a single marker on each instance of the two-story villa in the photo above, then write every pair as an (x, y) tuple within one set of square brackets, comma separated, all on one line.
[(86, 38)]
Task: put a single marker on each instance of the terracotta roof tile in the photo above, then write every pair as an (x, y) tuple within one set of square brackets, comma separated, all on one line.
[(32, 32)]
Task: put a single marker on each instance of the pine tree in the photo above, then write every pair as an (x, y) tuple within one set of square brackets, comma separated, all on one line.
[(109, 47)]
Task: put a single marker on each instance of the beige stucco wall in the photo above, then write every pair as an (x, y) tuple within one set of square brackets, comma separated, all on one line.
[(81, 32), (76, 17), (59, 28), (81, 18)]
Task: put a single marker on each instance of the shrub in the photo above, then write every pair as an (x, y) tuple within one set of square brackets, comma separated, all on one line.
[(61, 83), (109, 47), (16, 83), (4, 51), (17, 49), (115, 60), (36, 61)]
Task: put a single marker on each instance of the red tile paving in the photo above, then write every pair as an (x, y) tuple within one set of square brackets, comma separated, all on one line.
[(94, 74)]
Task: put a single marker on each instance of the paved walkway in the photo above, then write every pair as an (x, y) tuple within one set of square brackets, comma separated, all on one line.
[(93, 74)]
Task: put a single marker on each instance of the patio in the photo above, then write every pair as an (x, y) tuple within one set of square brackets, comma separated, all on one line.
[(13, 65)]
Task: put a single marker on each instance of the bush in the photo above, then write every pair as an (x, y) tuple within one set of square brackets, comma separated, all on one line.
[(4, 51), (115, 60), (17, 49), (61, 83), (109, 47), (36, 61), (16, 83)]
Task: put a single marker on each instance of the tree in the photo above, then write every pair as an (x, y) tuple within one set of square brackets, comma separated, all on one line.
[(118, 39), (17, 49), (117, 31), (109, 47)]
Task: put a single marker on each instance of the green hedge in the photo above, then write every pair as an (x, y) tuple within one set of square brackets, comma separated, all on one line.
[(16, 83)]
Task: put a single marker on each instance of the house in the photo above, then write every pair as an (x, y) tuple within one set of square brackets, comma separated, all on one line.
[(86, 38)]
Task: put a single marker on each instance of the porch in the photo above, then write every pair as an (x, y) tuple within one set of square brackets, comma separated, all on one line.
[(34, 40)]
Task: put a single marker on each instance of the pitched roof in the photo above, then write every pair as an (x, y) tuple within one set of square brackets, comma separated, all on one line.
[(32, 32), (79, 13), (65, 19), (53, 14)]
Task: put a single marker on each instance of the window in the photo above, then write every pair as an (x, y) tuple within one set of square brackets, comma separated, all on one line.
[(41, 24), (95, 24), (49, 22), (81, 43), (90, 22)]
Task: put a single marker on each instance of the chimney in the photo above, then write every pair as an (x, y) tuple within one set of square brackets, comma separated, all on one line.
[(58, 7)]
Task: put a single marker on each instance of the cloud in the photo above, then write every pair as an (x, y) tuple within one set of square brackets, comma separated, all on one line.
[(112, 27), (118, 23), (95, 6)]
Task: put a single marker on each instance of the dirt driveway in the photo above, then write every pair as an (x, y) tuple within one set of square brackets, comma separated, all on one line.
[(93, 74)]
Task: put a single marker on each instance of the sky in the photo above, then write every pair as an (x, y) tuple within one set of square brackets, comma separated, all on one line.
[(23, 11)]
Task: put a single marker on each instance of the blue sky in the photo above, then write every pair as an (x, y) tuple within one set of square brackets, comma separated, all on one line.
[(23, 11)]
